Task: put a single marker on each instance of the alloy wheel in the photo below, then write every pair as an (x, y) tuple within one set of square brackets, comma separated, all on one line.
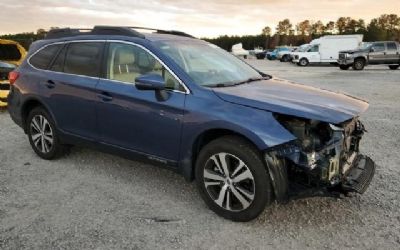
[(41, 134), (229, 182)]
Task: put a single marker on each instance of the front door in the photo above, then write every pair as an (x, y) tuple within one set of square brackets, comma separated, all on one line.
[(314, 54), (136, 119)]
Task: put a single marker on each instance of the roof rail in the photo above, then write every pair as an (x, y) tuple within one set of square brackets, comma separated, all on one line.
[(97, 30), (108, 30), (170, 32)]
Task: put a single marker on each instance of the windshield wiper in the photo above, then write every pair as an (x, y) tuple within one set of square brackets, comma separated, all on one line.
[(230, 84), (251, 79)]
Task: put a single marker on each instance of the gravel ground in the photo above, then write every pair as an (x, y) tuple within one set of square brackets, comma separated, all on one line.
[(91, 200)]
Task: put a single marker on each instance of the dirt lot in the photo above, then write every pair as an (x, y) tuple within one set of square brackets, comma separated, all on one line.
[(93, 200)]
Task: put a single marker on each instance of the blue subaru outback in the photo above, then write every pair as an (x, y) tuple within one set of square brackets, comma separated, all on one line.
[(163, 96)]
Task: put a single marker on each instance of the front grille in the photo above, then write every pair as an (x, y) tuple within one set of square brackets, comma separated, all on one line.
[(342, 56)]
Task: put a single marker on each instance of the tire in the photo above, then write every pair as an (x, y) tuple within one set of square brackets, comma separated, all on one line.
[(359, 64), (303, 62), (344, 67), (43, 135), (254, 191), (394, 67), (285, 58)]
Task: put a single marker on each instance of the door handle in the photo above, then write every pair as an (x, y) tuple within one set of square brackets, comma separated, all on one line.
[(50, 84), (106, 97)]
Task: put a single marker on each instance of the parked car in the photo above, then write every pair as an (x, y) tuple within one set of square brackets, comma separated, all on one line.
[(284, 55), (326, 49), (11, 55), (371, 53), (273, 54), (183, 103)]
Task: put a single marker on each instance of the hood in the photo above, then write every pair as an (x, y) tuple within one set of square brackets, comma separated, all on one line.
[(284, 97)]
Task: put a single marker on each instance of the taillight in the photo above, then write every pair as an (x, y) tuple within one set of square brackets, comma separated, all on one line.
[(13, 76)]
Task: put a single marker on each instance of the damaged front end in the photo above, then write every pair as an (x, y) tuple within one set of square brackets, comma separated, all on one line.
[(324, 160)]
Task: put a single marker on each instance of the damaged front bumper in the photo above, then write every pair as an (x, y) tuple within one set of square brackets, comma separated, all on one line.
[(337, 167)]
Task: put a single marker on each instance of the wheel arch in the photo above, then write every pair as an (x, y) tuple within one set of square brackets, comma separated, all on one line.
[(28, 106), (205, 137)]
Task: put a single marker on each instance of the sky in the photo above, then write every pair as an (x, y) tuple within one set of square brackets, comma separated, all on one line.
[(201, 18)]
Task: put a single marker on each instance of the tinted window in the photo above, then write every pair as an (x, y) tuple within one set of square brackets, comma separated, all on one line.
[(83, 59), (379, 46), (391, 46), (43, 58), (9, 52), (58, 64), (126, 62)]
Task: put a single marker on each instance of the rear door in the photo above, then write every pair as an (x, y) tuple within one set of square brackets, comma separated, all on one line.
[(70, 87), (392, 54), (378, 53)]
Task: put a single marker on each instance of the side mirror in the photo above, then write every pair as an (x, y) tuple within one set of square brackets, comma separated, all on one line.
[(372, 49), (150, 82)]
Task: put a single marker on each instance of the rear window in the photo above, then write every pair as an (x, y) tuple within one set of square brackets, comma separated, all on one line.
[(83, 59), (43, 58), (9, 52), (391, 46)]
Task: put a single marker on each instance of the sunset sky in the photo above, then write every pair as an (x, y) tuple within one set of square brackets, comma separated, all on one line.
[(202, 18)]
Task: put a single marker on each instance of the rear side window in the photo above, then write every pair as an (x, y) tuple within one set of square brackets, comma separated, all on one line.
[(391, 46), (58, 64), (83, 59), (43, 58), (9, 52)]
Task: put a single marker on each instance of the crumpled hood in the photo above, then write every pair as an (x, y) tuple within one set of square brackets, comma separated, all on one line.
[(294, 99)]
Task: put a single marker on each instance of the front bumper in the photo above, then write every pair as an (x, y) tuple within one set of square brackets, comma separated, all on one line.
[(359, 175), (346, 61)]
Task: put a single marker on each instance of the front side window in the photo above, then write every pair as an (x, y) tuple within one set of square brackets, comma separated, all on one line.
[(391, 46), (43, 58), (126, 62), (83, 58), (207, 64), (314, 48)]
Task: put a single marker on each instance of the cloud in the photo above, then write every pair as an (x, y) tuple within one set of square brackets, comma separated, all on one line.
[(198, 17)]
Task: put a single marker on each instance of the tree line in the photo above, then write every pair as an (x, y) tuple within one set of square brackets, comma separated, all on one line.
[(385, 27)]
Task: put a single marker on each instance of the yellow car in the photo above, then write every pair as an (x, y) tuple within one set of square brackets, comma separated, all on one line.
[(11, 55)]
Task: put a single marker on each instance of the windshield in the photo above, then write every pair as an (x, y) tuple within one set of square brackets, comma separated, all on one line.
[(303, 48), (207, 64), (365, 45)]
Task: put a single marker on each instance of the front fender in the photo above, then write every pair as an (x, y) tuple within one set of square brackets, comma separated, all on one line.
[(204, 114)]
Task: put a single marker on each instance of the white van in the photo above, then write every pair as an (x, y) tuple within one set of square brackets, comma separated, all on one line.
[(326, 49)]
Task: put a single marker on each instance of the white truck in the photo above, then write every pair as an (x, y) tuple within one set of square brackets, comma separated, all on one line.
[(238, 51), (326, 49)]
